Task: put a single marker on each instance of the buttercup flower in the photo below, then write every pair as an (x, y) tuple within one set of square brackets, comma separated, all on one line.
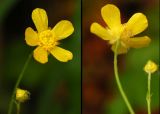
[(47, 39), (124, 33), (150, 67), (22, 95)]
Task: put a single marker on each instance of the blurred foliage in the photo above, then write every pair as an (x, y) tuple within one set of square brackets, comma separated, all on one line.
[(5, 5)]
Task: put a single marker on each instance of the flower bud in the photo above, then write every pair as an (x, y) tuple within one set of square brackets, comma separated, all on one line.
[(22, 95), (150, 67)]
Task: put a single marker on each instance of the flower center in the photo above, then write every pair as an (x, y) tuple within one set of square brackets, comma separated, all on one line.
[(126, 34), (116, 33), (47, 39)]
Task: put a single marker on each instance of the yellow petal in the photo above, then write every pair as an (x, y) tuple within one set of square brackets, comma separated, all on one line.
[(138, 42), (41, 55), (61, 54), (40, 19), (100, 31), (31, 37), (111, 15), (63, 29), (121, 49), (136, 24)]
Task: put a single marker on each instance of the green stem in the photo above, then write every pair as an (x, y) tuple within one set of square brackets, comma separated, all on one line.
[(17, 84), (148, 97), (118, 81), (18, 107)]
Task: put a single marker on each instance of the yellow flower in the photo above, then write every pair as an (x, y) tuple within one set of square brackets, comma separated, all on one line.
[(47, 39), (22, 95), (124, 33), (150, 67)]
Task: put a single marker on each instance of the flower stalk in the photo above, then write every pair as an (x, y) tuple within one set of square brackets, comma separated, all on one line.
[(148, 97), (118, 81), (17, 84), (18, 107)]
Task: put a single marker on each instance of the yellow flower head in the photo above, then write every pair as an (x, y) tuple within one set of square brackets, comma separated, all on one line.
[(124, 33), (22, 95), (150, 67), (47, 39)]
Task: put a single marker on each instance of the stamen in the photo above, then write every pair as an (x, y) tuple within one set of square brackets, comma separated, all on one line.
[(47, 39)]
